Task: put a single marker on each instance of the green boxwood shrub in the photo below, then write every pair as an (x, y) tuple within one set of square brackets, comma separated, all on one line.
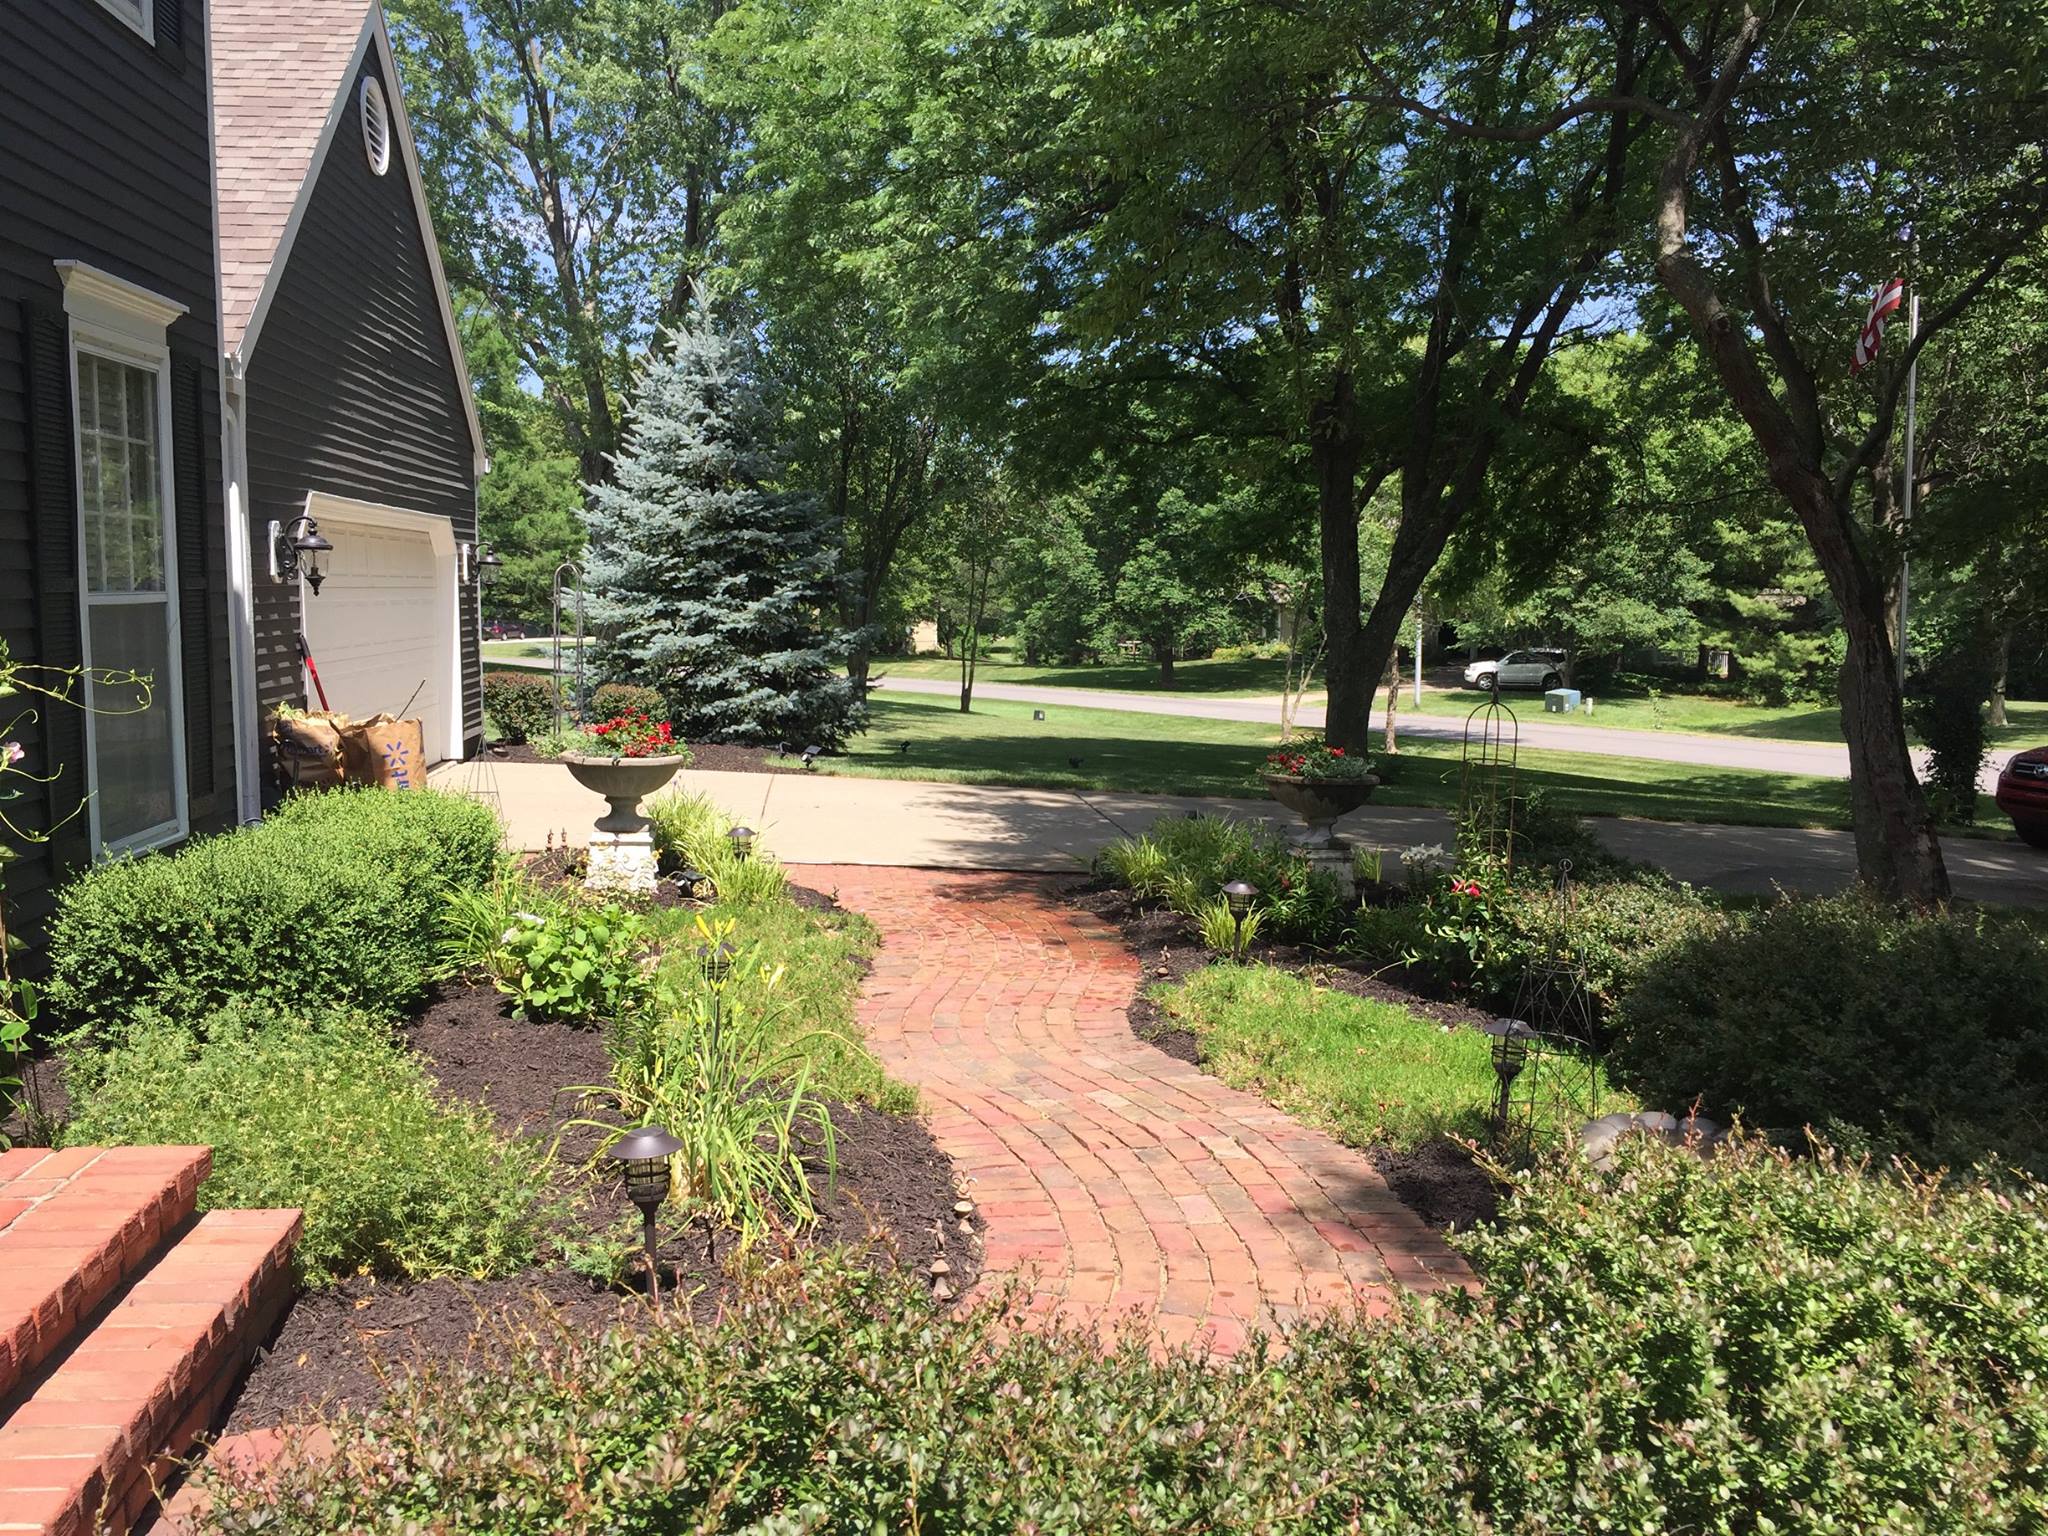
[(1740, 1346), (612, 699), (1927, 1033), (334, 900), (331, 1116), (521, 704)]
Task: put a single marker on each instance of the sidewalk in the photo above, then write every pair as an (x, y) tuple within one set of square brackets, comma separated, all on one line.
[(821, 819)]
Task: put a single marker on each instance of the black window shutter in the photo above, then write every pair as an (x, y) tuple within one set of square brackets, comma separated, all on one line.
[(168, 21), (56, 547), (195, 595)]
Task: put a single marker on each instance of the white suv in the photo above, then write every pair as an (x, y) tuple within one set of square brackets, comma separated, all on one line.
[(1541, 669)]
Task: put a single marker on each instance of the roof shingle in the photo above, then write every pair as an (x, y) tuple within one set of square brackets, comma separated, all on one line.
[(277, 70)]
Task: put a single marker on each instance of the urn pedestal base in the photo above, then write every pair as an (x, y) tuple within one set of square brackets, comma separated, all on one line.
[(622, 861)]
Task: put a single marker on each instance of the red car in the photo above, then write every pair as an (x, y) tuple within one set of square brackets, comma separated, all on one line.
[(2023, 794)]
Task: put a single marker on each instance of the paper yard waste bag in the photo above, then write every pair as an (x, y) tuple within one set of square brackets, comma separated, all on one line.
[(308, 747), (385, 750)]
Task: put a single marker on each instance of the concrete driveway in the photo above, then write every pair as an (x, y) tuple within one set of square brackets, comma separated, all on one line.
[(821, 819)]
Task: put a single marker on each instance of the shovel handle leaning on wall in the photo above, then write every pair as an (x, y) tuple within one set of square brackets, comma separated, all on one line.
[(306, 655)]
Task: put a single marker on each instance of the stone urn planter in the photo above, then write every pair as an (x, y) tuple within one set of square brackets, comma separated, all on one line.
[(622, 842), (1319, 802)]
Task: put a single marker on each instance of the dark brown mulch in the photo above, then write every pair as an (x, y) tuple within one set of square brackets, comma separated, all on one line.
[(1438, 1180), (712, 756), (44, 1104), (894, 1194)]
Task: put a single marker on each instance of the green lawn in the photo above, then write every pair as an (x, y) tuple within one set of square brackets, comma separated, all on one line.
[(1631, 705), (1199, 679), (999, 743), (1371, 1073)]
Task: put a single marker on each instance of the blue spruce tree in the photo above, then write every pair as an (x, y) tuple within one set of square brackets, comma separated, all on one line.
[(703, 581)]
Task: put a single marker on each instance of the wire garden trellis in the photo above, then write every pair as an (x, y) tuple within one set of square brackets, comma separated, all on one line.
[(1486, 783), (1547, 1050)]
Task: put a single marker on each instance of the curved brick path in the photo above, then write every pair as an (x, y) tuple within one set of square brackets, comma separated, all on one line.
[(1114, 1177)]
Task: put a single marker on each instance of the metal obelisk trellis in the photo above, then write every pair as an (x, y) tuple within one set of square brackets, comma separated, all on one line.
[(568, 582), (1559, 1083), (1486, 782)]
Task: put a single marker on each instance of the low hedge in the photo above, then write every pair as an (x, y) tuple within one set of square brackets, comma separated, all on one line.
[(612, 699), (331, 1116), (1746, 1345), (1927, 1034), (334, 900), (521, 705)]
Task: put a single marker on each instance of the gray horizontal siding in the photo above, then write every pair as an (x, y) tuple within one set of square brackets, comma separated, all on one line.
[(105, 162), (352, 388)]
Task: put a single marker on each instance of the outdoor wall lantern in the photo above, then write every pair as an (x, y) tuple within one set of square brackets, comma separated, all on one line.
[(742, 840), (643, 1156), (488, 566), (295, 550), (1511, 1042), (1240, 894)]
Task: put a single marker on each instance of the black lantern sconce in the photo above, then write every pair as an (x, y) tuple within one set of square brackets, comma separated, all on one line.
[(1512, 1042), (1239, 895), (643, 1157), (488, 567), (742, 841), (295, 550)]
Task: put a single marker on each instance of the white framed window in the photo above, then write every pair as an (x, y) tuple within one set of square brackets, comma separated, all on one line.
[(127, 558), (139, 14)]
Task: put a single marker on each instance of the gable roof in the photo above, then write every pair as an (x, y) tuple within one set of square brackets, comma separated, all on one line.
[(283, 72)]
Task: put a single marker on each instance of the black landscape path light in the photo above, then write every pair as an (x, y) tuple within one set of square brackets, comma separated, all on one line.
[(716, 962), (690, 882), (742, 841), (1511, 1044), (644, 1155), (1240, 894)]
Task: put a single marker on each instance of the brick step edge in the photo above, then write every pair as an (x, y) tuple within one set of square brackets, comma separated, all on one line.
[(101, 1432), (74, 1226)]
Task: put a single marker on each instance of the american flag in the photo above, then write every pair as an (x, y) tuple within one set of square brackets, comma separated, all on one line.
[(1889, 298)]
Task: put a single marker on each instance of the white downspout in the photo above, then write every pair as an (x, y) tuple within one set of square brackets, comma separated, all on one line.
[(241, 610)]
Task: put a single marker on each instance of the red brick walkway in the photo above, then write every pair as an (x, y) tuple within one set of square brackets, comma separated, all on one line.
[(1114, 1177)]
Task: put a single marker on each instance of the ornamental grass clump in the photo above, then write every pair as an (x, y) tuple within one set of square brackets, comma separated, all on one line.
[(1746, 1344), (1187, 861)]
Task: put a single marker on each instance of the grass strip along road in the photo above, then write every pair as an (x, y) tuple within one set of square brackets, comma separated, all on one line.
[(917, 737)]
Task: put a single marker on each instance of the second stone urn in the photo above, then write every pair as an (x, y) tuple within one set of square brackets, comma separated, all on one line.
[(622, 841)]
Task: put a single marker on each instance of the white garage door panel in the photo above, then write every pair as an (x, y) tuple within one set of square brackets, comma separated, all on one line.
[(379, 626)]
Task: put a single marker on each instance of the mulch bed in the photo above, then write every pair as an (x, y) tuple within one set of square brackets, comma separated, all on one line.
[(1438, 1180), (712, 756), (893, 1197)]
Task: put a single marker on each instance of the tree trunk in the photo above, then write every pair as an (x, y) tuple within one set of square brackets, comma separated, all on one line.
[(857, 665), (1388, 743), (1335, 449), (1163, 655), (2001, 664)]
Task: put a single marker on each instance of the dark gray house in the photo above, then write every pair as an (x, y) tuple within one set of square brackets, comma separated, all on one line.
[(113, 548), (223, 323), (348, 402)]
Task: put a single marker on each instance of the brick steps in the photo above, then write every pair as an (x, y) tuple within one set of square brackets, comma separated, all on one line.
[(129, 1323), (75, 1225)]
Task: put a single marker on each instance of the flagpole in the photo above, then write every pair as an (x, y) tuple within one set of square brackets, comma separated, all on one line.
[(1906, 521)]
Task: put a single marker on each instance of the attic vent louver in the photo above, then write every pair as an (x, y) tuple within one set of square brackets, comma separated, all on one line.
[(376, 126)]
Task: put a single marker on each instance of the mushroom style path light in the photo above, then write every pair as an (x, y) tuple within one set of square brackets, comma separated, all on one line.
[(643, 1157), (742, 841)]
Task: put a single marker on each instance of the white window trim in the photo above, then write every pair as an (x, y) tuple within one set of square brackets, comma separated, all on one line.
[(146, 28), (117, 320)]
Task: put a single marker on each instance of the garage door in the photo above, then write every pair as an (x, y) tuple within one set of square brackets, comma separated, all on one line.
[(382, 627)]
